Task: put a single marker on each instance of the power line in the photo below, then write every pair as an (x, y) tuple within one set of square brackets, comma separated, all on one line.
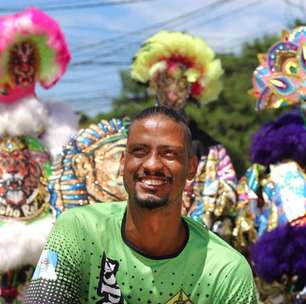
[(94, 5), (119, 48), (300, 7), (100, 63), (171, 21), (85, 5), (125, 45), (228, 13)]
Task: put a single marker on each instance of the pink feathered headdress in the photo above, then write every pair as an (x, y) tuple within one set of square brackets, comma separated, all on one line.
[(32, 48)]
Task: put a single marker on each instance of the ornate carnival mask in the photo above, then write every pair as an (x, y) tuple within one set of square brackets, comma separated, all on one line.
[(173, 89), (23, 63), (32, 49), (88, 169), (24, 169), (280, 79)]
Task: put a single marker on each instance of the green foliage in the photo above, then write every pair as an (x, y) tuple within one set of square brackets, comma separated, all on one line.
[(297, 22), (231, 119), (134, 97)]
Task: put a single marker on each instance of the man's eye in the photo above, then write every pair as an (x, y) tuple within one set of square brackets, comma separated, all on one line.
[(138, 152), (169, 154)]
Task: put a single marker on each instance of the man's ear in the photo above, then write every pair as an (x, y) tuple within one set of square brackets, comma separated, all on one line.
[(192, 168), (122, 160)]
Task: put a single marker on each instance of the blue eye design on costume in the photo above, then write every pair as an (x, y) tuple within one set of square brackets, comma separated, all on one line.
[(283, 85)]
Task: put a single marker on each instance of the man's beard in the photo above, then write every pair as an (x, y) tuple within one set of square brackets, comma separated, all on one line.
[(151, 203)]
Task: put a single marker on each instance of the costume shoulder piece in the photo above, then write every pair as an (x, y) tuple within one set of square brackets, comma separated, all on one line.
[(178, 54), (88, 169), (279, 80), (32, 48)]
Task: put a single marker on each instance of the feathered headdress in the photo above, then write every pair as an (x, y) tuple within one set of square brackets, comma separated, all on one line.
[(280, 79), (169, 51), (282, 139), (273, 190), (279, 255), (32, 48)]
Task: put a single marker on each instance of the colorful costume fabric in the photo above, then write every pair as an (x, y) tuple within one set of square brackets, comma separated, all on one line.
[(32, 49), (87, 255), (272, 194), (272, 197), (267, 201), (88, 169), (279, 80), (211, 194)]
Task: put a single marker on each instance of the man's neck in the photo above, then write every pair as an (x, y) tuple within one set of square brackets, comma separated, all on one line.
[(156, 232)]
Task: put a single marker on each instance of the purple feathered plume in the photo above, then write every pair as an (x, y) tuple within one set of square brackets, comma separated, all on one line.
[(281, 252), (282, 139)]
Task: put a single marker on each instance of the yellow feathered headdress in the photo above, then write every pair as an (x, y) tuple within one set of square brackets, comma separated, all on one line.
[(166, 50)]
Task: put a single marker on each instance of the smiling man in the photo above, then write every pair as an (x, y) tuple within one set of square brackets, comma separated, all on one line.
[(142, 251)]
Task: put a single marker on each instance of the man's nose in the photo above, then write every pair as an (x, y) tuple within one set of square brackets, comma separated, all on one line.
[(153, 163)]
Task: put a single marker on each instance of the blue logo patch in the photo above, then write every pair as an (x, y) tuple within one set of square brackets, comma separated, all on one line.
[(46, 266)]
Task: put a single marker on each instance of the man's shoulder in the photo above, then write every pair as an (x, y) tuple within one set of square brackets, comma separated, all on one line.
[(219, 252), (226, 257), (217, 244), (94, 212)]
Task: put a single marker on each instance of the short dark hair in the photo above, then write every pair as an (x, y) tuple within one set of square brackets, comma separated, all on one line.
[(169, 113)]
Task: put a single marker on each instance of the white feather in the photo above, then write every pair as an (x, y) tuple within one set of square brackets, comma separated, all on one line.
[(21, 244), (62, 125), (27, 116)]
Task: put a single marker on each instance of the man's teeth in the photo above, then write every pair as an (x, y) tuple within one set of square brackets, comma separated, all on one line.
[(153, 182)]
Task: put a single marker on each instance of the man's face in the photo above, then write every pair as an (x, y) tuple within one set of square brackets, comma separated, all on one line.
[(156, 162)]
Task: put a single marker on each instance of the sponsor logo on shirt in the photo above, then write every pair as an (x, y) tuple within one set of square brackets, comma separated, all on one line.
[(180, 298), (108, 288), (46, 266)]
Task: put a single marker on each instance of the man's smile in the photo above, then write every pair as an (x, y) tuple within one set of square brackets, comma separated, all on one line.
[(152, 182)]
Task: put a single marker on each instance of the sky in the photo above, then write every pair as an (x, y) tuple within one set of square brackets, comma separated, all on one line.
[(103, 35)]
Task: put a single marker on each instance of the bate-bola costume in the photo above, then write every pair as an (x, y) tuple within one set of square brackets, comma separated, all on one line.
[(88, 260), (272, 194), (32, 49)]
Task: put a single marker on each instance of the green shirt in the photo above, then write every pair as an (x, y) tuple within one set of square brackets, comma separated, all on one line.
[(87, 260)]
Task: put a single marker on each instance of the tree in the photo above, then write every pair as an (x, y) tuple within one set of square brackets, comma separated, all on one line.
[(232, 119)]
